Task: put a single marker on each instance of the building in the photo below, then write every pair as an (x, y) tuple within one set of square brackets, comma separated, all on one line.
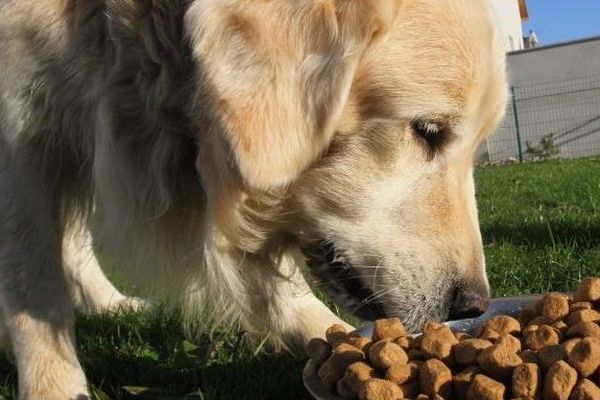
[(511, 14), (556, 93), (554, 109)]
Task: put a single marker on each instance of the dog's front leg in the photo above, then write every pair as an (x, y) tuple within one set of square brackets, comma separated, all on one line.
[(92, 291), (285, 307), (35, 302)]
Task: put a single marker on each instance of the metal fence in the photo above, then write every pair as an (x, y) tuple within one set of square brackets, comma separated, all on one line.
[(551, 119)]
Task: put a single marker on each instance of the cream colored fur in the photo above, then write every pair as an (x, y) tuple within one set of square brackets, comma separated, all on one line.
[(92, 292), (220, 144)]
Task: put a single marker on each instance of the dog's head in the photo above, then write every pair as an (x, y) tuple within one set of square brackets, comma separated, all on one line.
[(363, 117)]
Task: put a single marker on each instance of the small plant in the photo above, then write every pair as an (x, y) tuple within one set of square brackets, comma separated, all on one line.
[(544, 150)]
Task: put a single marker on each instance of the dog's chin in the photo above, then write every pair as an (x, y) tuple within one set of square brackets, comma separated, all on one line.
[(342, 282)]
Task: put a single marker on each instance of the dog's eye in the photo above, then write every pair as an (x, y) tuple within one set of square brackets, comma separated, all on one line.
[(432, 134)]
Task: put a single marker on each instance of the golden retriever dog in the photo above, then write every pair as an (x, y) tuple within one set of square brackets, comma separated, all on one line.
[(227, 152)]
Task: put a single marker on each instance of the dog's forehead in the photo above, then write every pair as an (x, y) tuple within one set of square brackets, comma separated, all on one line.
[(443, 59)]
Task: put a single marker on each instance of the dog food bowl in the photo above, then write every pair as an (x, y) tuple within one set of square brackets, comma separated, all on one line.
[(499, 306)]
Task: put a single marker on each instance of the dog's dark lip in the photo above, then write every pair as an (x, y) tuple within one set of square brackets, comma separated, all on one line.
[(339, 278)]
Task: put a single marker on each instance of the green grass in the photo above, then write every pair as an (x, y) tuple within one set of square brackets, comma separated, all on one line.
[(541, 228), (540, 224)]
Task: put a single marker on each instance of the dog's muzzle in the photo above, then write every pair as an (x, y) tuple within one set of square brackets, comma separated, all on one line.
[(342, 281)]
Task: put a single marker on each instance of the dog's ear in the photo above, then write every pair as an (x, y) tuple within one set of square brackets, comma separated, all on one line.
[(280, 72)]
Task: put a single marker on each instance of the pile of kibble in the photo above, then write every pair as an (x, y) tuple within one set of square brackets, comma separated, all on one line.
[(549, 353)]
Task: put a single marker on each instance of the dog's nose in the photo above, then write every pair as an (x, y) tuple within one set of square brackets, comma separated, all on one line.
[(468, 303)]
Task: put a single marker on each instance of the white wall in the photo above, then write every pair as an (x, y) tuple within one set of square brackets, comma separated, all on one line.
[(555, 95), (509, 17)]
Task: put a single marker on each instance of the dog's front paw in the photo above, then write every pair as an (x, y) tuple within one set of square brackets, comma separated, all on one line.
[(316, 319), (116, 304), (131, 304), (52, 380)]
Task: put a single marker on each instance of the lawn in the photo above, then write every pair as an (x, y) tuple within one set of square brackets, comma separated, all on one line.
[(541, 228)]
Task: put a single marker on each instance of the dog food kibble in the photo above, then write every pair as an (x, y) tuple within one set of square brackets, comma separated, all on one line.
[(344, 389), (555, 306), (380, 389), (336, 334), (416, 355), (404, 341), (584, 329), (346, 354), (388, 329), (356, 374), (552, 352), (335, 366), (548, 355), (560, 326), (582, 305), (570, 344), (318, 350), (529, 357), (526, 381), (484, 388), (498, 361), (509, 341), (435, 378), (535, 324), (437, 342), (330, 372), (588, 290), (461, 382), (545, 335), (384, 354), (583, 316), (500, 325), (410, 390), (462, 336), (559, 381), (361, 343), (585, 356), (401, 374), (466, 352), (585, 390)]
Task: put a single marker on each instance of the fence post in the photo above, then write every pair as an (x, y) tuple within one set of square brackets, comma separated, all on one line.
[(517, 124)]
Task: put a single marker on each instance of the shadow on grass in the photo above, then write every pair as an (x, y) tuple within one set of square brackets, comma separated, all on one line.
[(140, 356), (262, 377), (145, 357), (543, 234)]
